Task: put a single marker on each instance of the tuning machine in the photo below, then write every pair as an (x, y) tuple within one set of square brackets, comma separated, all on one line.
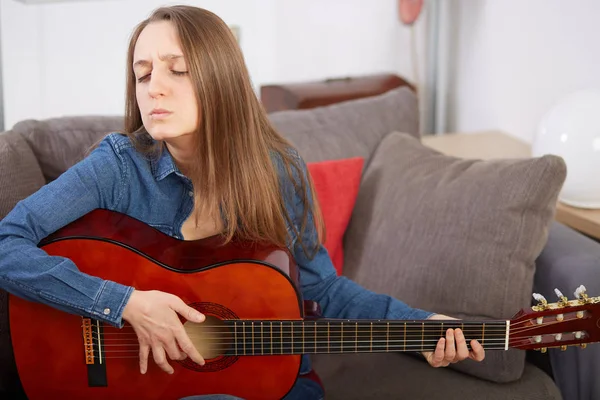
[(542, 302), (581, 295), (562, 299)]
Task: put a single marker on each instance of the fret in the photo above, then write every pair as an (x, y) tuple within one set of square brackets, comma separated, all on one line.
[(244, 336), (483, 334), (442, 330), (316, 338), (342, 337), (356, 337), (387, 337), (422, 335), (271, 322), (371, 335), (235, 338), (404, 341), (292, 341), (253, 352), (328, 338), (303, 351)]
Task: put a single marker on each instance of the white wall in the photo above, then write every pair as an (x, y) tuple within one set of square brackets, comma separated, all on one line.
[(69, 58), (513, 59)]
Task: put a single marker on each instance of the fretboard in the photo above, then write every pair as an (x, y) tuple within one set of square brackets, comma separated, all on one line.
[(246, 337)]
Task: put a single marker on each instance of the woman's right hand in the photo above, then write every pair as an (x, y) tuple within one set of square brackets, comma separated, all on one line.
[(153, 316)]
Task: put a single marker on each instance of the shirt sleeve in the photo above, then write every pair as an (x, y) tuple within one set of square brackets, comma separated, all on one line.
[(338, 296), (29, 272)]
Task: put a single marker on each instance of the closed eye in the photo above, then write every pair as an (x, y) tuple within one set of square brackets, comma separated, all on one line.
[(143, 78), (177, 73)]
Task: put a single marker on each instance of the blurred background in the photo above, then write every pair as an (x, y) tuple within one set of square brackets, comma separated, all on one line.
[(479, 64)]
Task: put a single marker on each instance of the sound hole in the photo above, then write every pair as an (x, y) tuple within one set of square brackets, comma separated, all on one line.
[(212, 337)]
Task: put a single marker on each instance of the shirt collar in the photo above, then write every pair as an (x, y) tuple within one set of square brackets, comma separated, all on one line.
[(164, 166)]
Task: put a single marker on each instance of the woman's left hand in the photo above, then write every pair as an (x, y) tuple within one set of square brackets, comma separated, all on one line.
[(453, 348)]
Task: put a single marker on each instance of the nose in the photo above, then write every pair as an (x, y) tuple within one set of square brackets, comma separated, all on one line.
[(156, 86)]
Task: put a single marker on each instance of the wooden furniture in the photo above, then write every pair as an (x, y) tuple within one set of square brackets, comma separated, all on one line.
[(304, 95), (494, 144)]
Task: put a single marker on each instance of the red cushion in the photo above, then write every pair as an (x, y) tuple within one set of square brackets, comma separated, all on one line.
[(336, 186)]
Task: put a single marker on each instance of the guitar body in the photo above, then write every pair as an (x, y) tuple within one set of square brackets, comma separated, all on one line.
[(233, 281)]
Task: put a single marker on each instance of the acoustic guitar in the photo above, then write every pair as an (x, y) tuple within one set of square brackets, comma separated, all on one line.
[(257, 324)]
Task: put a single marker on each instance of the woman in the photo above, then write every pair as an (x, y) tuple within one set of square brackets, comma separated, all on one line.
[(198, 157)]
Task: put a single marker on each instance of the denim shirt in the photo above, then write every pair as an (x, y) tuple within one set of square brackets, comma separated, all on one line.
[(115, 176)]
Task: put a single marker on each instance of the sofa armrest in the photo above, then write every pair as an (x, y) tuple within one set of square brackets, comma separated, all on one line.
[(568, 260)]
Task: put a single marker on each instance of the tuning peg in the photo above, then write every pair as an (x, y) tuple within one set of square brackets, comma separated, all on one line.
[(539, 297), (544, 349), (583, 345), (563, 348), (562, 299), (542, 302), (580, 293)]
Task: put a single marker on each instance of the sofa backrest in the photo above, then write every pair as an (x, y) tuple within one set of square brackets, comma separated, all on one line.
[(20, 173), (58, 143), (352, 128), (38, 151)]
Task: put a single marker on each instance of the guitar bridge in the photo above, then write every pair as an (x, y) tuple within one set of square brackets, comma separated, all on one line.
[(88, 341), (94, 352)]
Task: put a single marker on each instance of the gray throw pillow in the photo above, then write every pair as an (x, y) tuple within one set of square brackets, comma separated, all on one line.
[(453, 236)]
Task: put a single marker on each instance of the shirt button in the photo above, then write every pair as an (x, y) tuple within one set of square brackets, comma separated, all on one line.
[(106, 311), (191, 194)]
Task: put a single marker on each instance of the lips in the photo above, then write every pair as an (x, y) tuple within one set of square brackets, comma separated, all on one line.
[(160, 113)]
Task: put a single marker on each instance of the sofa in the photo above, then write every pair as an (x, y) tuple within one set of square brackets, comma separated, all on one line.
[(424, 227)]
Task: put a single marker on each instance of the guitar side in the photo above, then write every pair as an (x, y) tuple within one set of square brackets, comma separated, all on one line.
[(51, 346)]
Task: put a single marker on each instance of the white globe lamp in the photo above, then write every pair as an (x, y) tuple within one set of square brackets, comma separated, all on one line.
[(571, 130)]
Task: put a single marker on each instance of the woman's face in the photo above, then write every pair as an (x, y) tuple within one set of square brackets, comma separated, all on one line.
[(165, 93)]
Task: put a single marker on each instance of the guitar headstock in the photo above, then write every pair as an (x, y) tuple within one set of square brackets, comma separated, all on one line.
[(561, 324)]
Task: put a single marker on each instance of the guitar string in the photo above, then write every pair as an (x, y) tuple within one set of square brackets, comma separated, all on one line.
[(337, 328), (268, 325), (331, 352), (229, 342), (279, 349), (311, 332), (298, 324), (420, 332)]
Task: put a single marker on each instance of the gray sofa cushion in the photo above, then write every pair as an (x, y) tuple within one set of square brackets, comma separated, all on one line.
[(58, 143), (20, 174), (453, 236), (349, 129)]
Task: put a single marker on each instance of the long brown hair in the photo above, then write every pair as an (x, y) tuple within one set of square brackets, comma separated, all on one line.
[(234, 173)]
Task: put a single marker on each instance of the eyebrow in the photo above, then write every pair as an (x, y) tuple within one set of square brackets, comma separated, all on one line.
[(170, 57)]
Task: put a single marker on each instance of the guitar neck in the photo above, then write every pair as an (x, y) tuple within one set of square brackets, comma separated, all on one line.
[(248, 337)]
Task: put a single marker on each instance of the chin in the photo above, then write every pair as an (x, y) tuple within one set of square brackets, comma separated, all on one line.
[(166, 132)]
